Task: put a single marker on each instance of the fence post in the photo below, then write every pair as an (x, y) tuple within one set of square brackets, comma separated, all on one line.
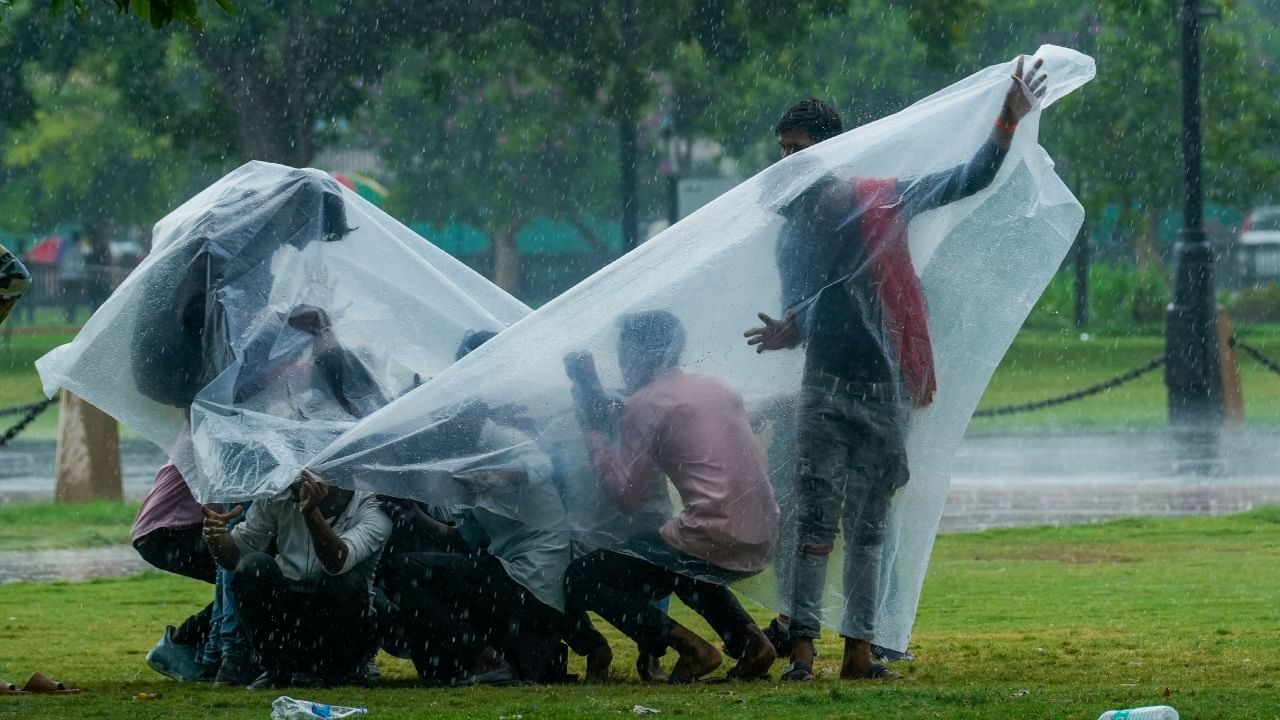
[(88, 456), (1232, 394)]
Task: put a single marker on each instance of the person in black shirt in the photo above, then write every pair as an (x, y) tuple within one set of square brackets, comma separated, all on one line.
[(851, 296)]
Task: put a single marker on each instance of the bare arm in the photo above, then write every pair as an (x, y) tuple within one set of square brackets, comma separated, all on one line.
[(330, 549)]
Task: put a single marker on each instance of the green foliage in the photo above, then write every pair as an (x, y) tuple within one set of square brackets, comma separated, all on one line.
[(486, 136), (158, 13), (1254, 305), (77, 160), (1123, 298)]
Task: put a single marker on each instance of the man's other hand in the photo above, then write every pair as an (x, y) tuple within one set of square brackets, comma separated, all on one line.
[(1027, 88), (774, 334)]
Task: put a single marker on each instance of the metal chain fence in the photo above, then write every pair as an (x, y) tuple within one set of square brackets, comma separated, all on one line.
[(1101, 387), (32, 411)]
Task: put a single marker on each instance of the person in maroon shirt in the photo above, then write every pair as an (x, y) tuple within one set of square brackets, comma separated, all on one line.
[(695, 430)]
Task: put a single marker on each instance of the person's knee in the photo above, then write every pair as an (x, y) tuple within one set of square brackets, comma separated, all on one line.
[(252, 570)]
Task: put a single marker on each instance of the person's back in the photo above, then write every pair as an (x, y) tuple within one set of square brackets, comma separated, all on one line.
[(703, 442)]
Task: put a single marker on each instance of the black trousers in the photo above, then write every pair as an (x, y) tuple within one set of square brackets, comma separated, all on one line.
[(448, 607), (182, 551), (622, 590), (326, 631)]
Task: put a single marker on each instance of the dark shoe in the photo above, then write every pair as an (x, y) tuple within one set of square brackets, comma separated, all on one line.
[(798, 671), (880, 672), (780, 637), (237, 668), (496, 678), (270, 680), (371, 669), (887, 655)]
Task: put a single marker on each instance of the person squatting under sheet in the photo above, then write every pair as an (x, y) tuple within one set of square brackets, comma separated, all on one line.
[(694, 429), (852, 298), (307, 609), (475, 596)]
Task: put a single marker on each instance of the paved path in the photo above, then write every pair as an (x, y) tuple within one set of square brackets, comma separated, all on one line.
[(998, 481)]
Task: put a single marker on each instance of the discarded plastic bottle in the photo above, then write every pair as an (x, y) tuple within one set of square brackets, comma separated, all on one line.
[(286, 708), (1153, 712)]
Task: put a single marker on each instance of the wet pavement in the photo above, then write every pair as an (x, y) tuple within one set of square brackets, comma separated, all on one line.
[(998, 481)]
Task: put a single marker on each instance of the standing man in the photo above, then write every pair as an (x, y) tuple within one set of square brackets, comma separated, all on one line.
[(852, 298)]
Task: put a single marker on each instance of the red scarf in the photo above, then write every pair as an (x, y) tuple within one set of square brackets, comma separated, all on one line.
[(884, 235)]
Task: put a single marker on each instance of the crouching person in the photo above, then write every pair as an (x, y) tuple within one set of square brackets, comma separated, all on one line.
[(693, 430), (480, 600), (307, 609)]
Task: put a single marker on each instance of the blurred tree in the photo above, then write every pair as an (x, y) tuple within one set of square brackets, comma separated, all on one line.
[(620, 50), (481, 134), (158, 13), (77, 161), (1134, 105)]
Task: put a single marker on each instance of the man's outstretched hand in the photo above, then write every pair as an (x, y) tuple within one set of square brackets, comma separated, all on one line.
[(1028, 86), (774, 334)]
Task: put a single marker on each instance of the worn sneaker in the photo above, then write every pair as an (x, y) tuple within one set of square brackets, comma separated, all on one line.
[(180, 662)]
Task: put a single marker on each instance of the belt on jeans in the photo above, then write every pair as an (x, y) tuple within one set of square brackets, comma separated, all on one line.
[(883, 392)]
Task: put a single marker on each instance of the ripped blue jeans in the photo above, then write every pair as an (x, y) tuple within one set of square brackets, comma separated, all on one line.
[(850, 460)]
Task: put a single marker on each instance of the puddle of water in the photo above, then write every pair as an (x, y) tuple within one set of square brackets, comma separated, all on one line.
[(78, 564)]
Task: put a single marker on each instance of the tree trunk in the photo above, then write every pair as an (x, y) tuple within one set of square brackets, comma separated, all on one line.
[(274, 120), (506, 256), (88, 455), (1146, 244)]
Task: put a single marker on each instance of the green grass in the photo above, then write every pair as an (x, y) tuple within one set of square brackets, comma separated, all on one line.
[(1041, 364), (1045, 364), (45, 526), (1043, 622)]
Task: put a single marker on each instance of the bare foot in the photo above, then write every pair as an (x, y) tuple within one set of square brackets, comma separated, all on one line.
[(598, 662), (697, 656), (649, 668), (858, 664), (758, 658)]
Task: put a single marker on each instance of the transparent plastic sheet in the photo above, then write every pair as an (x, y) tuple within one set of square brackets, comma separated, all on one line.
[(591, 378), (275, 308)]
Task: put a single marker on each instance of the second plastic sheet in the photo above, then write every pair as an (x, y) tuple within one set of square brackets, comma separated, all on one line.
[(638, 394)]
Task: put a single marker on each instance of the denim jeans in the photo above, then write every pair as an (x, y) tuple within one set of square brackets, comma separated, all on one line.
[(851, 459)]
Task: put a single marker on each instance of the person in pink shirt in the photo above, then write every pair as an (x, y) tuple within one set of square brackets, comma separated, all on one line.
[(167, 534), (694, 430)]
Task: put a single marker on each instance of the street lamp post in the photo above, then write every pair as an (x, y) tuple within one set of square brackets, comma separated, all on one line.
[(1192, 374)]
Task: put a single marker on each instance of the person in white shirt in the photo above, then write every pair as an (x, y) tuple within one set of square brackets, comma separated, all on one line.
[(306, 610)]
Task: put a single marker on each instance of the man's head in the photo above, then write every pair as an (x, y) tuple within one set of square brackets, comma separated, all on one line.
[(648, 343), (806, 124), (472, 340)]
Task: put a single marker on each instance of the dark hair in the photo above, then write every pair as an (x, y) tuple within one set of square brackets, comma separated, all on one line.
[(472, 340), (813, 116)]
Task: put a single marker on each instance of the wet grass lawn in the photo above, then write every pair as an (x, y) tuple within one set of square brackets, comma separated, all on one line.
[(1022, 623), (45, 526)]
